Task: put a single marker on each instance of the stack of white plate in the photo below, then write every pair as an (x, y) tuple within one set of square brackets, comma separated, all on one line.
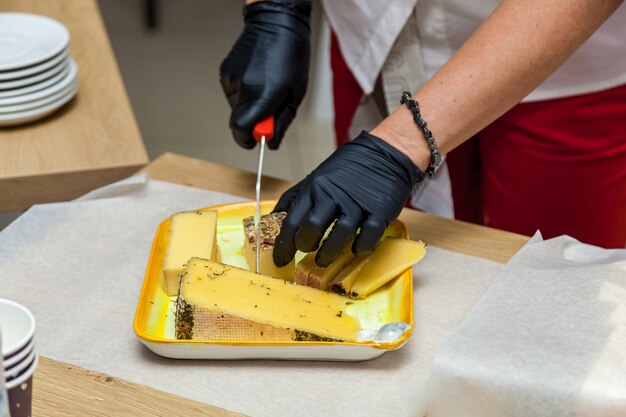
[(37, 75)]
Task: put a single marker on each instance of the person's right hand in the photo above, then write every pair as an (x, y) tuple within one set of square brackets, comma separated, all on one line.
[(266, 72), (360, 189)]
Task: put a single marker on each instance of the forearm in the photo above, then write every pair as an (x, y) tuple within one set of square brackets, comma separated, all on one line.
[(511, 53)]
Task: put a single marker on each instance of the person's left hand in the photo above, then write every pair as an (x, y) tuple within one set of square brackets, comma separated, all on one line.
[(363, 185)]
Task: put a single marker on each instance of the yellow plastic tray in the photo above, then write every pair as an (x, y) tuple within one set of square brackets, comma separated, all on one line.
[(155, 314)]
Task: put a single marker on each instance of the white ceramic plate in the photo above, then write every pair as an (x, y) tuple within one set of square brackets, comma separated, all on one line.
[(35, 69), (70, 76), (50, 72), (319, 352), (13, 119), (29, 39), (22, 107), (35, 87), (390, 309)]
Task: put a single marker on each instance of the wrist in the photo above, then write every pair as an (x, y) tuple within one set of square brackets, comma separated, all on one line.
[(402, 133)]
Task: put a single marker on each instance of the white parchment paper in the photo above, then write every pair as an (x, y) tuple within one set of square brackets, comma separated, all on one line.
[(79, 266), (547, 339)]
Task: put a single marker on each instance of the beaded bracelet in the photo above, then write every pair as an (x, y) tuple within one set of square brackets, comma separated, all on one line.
[(435, 156)]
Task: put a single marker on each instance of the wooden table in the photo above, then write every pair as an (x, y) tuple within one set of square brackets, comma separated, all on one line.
[(66, 390), (92, 141)]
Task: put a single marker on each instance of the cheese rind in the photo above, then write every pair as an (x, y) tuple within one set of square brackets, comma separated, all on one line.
[(343, 282), (197, 323), (192, 233), (304, 268), (209, 287), (390, 259), (308, 273), (269, 227), (322, 277)]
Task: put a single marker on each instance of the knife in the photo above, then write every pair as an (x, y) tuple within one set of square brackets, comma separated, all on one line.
[(263, 132)]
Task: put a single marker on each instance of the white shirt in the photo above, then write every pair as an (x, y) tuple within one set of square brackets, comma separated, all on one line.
[(366, 31)]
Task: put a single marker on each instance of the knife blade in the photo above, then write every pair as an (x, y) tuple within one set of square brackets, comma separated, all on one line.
[(263, 132)]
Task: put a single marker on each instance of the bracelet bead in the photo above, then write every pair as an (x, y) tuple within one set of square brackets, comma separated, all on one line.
[(435, 156)]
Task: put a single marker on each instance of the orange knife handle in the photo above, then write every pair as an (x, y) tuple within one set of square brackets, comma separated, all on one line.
[(264, 128)]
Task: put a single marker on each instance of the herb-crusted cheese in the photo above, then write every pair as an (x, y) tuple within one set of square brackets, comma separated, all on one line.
[(269, 227), (192, 233), (281, 310)]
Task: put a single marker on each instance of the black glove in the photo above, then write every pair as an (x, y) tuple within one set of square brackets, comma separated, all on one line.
[(363, 184), (266, 72)]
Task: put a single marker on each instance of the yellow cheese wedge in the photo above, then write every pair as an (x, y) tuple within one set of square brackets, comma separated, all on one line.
[(192, 233), (210, 289), (390, 259), (343, 282), (269, 227)]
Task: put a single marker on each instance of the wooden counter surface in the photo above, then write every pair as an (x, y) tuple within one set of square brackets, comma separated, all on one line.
[(62, 390), (90, 142), (66, 390)]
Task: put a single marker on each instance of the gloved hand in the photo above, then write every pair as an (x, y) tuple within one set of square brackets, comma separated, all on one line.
[(363, 184), (266, 72)]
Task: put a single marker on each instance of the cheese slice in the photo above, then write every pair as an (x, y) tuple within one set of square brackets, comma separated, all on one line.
[(304, 268), (343, 282), (322, 277), (209, 289), (308, 273), (390, 259), (192, 233), (269, 227)]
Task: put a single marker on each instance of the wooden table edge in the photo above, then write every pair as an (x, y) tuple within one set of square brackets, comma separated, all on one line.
[(103, 395), (46, 184)]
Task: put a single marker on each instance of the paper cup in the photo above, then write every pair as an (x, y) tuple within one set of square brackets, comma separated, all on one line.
[(19, 369), (4, 397), (17, 325), (20, 392), (20, 355)]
